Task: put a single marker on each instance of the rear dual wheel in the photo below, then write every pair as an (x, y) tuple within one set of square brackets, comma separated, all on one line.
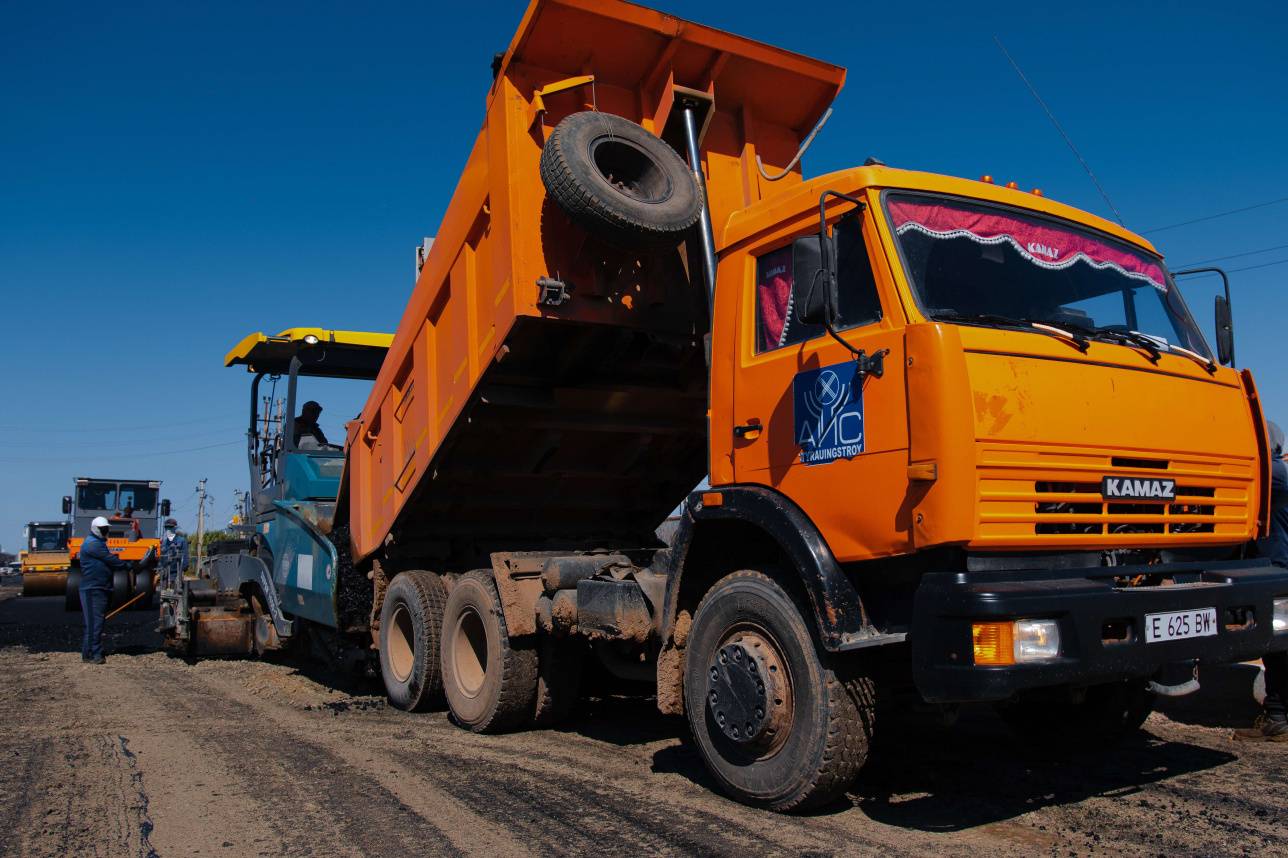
[(778, 725), (489, 680), (411, 622)]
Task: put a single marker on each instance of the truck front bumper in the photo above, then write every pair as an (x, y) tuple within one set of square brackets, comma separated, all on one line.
[(1101, 618)]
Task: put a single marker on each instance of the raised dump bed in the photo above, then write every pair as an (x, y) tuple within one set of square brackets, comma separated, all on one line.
[(546, 388)]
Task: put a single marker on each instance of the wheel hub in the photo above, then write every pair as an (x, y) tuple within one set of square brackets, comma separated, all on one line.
[(748, 694)]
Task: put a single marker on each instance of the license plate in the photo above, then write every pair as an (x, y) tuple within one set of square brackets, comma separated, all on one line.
[(1178, 625)]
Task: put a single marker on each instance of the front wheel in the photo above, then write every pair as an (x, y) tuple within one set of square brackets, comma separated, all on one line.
[(777, 724), (1106, 714)]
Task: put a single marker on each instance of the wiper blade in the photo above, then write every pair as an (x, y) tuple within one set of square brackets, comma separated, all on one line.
[(1062, 332), (1133, 338), (1207, 363)]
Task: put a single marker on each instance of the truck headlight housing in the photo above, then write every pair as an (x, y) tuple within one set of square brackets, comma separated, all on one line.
[(1015, 642), (1279, 620)]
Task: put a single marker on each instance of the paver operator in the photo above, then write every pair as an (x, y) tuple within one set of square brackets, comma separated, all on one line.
[(306, 426), (98, 564), (1272, 724)]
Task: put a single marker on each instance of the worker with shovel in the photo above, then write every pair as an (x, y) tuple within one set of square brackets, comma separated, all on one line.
[(98, 564)]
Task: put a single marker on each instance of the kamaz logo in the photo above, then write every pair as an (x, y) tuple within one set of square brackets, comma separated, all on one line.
[(1044, 250), (1126, 487)]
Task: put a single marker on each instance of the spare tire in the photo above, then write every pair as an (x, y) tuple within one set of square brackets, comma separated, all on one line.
[(618, 181)]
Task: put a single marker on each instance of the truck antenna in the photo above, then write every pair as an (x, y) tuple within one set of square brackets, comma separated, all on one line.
[(1083, 161)]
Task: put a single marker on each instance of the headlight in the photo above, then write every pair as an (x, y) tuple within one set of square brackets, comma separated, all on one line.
[(1015, 642), (1280, 620), (1036, 640)]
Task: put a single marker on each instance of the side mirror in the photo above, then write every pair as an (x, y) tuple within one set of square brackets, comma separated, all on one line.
[(165, 507), (813, 283), (1224, 332), (67, 504)]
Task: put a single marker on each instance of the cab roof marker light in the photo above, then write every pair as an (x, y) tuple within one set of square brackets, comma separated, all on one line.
[(986, 179)]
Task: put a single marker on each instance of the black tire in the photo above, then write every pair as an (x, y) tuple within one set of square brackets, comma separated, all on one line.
[(411, 628), (144, 584), (812, 748), (122, 588), (558, 680), (71, 596), (1108, 714), (618, 181), (490, 683)]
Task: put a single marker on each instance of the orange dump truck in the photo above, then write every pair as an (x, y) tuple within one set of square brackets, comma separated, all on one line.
[(963, 442)]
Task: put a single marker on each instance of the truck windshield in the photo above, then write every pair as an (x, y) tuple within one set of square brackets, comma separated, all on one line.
[(141, 497), (96, 497), (48, 539), (992, 265)]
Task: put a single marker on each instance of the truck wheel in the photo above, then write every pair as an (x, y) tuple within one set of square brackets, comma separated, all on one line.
[(619, 181), (71, 597), (777, 725), (1108, 714), (411, 626), (558, 680), (490, 683)]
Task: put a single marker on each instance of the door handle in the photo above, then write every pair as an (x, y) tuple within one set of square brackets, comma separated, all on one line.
[(748, 431)]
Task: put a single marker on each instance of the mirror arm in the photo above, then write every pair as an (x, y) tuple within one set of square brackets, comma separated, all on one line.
[(873, 364), (1225, 280)]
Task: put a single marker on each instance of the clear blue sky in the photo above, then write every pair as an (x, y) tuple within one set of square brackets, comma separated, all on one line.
[(176, 175)]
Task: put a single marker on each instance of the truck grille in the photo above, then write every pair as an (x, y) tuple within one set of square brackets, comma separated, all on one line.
[(1095, 515), (1056, 495)]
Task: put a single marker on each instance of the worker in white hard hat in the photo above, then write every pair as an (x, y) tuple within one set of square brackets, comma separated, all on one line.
[(98, 564)]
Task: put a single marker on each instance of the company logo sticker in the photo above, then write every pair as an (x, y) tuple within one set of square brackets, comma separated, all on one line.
[(827, 405)]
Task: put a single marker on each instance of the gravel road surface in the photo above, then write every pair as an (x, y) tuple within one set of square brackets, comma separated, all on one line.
[(153, 755)]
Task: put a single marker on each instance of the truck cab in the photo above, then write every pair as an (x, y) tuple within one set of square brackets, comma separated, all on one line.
[(970, 391)]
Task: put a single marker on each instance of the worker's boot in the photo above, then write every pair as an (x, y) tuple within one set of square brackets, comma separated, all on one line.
[(1271, 726)]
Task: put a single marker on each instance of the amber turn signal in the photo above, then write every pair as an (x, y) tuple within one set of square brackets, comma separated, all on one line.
[(994, 643)]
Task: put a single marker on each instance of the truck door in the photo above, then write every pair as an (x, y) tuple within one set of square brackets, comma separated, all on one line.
[(804, 422)]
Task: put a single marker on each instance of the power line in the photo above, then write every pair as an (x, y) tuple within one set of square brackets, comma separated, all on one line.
[(1068, 141), (101, 429), (1217, 215), (98, 444), (1231, 256), (1262, 265), (120, 455)]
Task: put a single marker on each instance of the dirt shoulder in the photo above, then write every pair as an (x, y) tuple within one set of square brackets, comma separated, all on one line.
[(152, 755)]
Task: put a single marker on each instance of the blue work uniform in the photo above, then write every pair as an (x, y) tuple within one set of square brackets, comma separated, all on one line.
[(174, 554), (98, 564)]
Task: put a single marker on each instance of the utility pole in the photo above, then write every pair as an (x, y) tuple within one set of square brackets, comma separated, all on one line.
[(201, 518)]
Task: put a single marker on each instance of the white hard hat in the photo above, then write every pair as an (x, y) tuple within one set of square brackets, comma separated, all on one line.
[(98, 527)]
